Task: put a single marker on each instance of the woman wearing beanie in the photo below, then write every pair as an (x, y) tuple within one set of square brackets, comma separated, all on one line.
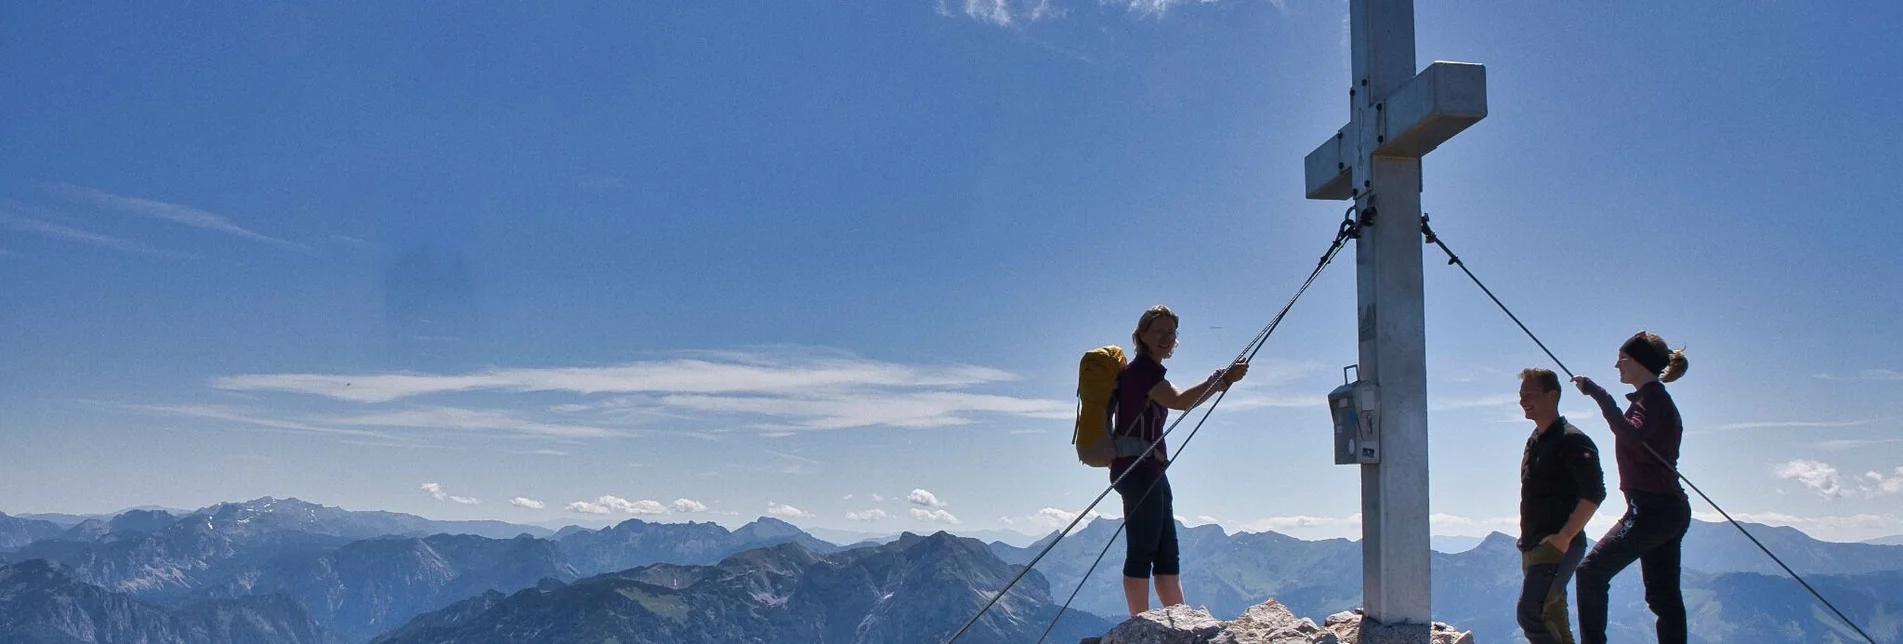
[(1645, 438)]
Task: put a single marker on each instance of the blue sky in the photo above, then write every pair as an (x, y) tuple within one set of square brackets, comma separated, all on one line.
[(835, 262)]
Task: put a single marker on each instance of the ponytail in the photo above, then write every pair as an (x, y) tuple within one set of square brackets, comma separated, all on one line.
[(1676, 368)]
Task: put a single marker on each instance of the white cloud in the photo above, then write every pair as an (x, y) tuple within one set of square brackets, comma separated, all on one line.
[(1055, 518), (550, 452), (173, 213), (1451, 524), (525, 502), (436, 491), (687, 506), (585, 507), (786, 511), (868, 516), (924, 498), (1827, 481), (609, 503), (934, 516), (878, 498), (1819, 477), (1883, 484)]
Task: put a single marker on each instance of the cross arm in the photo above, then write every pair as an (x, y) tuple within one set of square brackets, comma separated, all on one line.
[(1429, 109)]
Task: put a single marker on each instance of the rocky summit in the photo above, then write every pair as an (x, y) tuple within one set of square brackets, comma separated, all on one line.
[(1267, 623)]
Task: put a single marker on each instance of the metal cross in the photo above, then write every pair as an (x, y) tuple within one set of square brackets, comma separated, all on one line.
[(1396, 117)]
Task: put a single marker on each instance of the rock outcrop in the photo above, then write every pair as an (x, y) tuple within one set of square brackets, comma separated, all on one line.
[(1268, 623)]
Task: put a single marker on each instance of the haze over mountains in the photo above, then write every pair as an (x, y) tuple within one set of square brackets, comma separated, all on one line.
[(283, 570)]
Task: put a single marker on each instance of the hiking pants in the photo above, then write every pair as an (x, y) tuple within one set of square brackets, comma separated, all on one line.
[(1542, 608), (1650, 532), (1149, 525)]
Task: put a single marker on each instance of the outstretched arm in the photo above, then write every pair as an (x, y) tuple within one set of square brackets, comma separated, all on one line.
[(1165, 394), (1629, 422)]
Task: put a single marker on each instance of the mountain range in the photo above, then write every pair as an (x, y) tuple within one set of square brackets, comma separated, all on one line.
[(283, 570)]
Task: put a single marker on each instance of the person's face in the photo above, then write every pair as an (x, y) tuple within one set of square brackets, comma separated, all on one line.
[(1537, 404), (1630, 371), (1161, 337)]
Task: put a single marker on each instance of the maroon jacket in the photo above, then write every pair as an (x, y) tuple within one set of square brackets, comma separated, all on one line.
[(1651, 420)]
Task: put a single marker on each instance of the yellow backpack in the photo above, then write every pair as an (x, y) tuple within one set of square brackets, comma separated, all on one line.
[(1097, 404)]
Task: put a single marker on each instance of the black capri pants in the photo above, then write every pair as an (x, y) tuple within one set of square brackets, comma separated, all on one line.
[(1149, 524)]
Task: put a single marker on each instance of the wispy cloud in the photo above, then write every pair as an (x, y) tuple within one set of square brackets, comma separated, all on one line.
[(1831, 527), (793, 389), (1797, 424), (712, 373), (469, 420), (380, 424), (1294, 522), (172, 213), (436, 491), (1439, 522), (525, 502), (1008, 13), (1453, 524), (69, 233), (1869, 375), (1854, 443), (1475, 402), (353, 242), (244, 417)]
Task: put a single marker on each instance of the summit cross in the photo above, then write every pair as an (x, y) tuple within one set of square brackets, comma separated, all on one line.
[(1396, 117)]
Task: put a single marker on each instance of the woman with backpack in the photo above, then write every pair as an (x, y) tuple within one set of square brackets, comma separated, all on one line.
[(1144, 398), (1646, 439)]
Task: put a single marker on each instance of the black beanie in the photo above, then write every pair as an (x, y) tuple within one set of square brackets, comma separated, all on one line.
[(1644, 351)]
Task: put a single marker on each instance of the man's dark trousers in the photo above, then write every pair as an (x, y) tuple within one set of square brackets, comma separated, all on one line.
[(1542, 608)]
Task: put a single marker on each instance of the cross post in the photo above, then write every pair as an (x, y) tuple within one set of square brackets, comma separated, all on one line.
[(1396, 117)]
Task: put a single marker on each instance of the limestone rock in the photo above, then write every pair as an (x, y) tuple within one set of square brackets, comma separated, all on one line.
[(1352, 629), (1269, 623), (1178, 624)]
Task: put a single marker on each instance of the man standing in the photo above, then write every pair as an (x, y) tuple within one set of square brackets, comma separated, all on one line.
[(1561, 485)]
